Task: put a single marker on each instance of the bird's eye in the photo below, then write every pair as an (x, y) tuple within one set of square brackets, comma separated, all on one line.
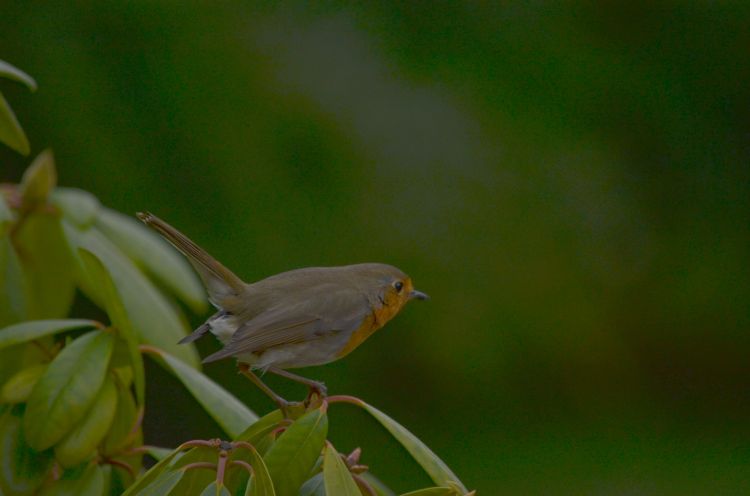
[(398, 285)]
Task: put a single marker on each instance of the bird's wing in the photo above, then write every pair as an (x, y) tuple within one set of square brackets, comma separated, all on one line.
[(312, 319)]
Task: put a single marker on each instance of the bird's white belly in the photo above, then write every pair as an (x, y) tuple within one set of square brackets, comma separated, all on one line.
[(224, 327)]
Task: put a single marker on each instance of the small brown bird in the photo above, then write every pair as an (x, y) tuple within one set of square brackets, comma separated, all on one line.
[(298, 318)]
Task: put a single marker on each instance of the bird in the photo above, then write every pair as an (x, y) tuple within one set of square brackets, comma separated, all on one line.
[(299, 318)]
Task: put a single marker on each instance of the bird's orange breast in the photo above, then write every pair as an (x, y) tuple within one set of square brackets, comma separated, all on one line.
[(372, 323)]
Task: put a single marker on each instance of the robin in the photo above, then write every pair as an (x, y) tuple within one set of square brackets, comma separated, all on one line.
[(299, 318)]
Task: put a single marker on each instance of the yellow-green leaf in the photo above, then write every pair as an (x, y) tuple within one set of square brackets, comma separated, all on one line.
[(35, 329), (48, 266), (80, 444), (13, 287), (153, 317), (22, 469), (294, 453), (120, 435), (9, 71), (154, 473), (38, 181), (214, 489), (260, 484), (261, 427), (230, 413), (77, 205), (119, 317), (155, 255), (11, 132), (336, 475), (377, 485), (18, 388), (87, 480), (315, 486), (434, 466), (67, 389), (433, 491), (6, 215)]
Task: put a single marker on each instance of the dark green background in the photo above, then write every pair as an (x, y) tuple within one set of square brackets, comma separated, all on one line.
[(570, 185)]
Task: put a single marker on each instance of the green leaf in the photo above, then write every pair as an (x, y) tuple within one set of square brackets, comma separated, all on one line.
[(11, 132), (88, 480), (6, 216), (295, 452), (67, 389), (80, 207), (195, 480), (432, 491), (119, 317), (154, 474), (154, 318), (214, 489), (375, 483), (229, 412), (158, 453), (120, 435), (9, 71), (434, 466), (13, 286), (155, 255), (80, 444), (18, 388), (35, 329), (48, 266), (314, 486), (260, 484), (161, 486), (336, 475), (38, 181), (22, 469), (261, 427)]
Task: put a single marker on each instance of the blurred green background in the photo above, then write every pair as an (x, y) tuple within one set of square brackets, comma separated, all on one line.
[(570, 185)]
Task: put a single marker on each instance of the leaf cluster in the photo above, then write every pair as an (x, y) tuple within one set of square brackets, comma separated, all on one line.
[(72, 390)]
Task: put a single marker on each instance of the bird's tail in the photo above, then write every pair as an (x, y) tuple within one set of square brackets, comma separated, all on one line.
[(222, 284)]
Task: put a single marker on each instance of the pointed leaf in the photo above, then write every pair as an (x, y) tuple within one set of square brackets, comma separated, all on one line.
[(67, 389), (162, 486), (18, 388), (80, 207), (434, 466), (22, 469), (154, 473), (377, 485), (35, 329), (101, 278), (154, 319), (314, 486), (231, 414), (158, 453), (294, 453), (214, 489), (261, 427), (13, 286), (9, 71), (336, 475), (432, 491), (48, 266), (11, 132), (155, 255), (195, 480), (38, 181), (80, 444), (260, 484)]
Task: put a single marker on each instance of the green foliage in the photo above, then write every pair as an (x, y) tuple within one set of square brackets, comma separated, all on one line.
[(11, 132), (72, 390)]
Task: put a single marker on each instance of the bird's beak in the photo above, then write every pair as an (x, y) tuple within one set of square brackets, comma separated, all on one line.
[(418, 295)]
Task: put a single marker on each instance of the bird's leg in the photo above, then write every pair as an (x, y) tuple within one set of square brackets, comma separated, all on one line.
[(280, 402), (315, 386)]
